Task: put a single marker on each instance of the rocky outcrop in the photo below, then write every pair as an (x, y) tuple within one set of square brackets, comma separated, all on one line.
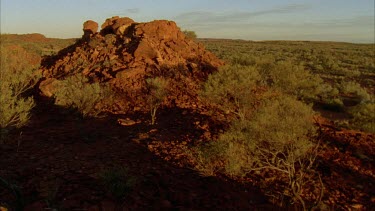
[(125, 53)]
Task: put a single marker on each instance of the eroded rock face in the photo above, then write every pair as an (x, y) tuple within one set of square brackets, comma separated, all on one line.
[(125, 53)]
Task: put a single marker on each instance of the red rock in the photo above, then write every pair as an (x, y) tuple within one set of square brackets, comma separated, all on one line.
[(116, 25), (90, 27)]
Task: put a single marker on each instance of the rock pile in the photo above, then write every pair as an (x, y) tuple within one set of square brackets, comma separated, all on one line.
[(125, 53)]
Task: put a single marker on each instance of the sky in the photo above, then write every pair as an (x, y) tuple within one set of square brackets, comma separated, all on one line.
[(316, 20)]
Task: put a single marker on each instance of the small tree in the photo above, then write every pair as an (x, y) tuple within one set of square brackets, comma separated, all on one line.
[(190, 34), (157, 91), (76, 92)]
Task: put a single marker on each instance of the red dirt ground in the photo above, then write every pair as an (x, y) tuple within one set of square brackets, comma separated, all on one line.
[(58, 150)]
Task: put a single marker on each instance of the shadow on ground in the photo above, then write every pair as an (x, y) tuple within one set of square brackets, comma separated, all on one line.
[(57, 161)]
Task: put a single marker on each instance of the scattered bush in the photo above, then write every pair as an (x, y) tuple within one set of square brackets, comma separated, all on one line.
[(77, 93), (157, 91)]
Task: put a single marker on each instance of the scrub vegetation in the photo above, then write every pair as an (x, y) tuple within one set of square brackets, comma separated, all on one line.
[(257, 120)]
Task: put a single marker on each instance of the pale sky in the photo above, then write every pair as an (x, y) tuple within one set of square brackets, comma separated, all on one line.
[(328, 20)]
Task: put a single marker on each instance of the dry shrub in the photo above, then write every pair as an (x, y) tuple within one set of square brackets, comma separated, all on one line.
[(231, 88), (364, 116), (77, 93), (157, 92), (292, 79), (274, 132), (279, 137), (17, 76), (354, 89)]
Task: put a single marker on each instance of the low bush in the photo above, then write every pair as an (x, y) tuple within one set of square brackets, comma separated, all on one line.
[(278, 138), (208, 158), (354, 89), (291, 79), (363, 117), (77, 93), (231, 88), (242, 59), (17, 76)]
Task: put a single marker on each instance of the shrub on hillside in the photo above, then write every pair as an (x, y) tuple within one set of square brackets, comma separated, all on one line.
[(232, 89), (17, 76), (157, 92), (77, 93)]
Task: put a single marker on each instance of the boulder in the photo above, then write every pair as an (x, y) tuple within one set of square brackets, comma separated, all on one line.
[(90, 27), (116, 25)]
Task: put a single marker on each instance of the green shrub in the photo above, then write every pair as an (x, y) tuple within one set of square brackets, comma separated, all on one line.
[(17, 76), (242, 59), (208, 157), (77, 93), (282, 125), (278, 137), (231, 88), (14, 111), (355, 90), (157, 92), (292, 79)]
